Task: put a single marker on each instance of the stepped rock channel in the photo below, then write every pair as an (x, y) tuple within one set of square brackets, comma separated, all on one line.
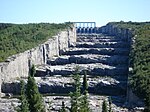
[(104, 57)]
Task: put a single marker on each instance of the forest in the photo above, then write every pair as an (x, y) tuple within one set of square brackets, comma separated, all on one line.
[(139, 78), (16, 38)]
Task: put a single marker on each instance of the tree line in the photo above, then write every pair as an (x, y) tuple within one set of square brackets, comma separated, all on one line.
[(139, 78), (16, 38)]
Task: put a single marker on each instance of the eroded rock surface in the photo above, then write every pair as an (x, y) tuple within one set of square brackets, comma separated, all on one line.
[(106, 64), (99, 55), (53, 103), (63, 85), (105, 58)]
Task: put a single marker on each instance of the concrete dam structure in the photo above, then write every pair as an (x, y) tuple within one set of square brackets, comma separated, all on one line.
[(86, 27), (103, 52)]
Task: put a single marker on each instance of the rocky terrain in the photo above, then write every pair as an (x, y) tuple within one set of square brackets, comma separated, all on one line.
[(53, 103), (105, 58)]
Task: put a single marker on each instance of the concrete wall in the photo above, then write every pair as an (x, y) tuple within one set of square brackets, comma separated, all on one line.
[(17, 66)]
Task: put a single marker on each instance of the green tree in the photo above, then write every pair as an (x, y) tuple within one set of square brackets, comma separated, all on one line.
[(79, 102), (32, 71), (75, 96), (24, 107), (84, 107), (63, 107), (147, 99), (85, 84), (84, 98), (139, 58), (34, 97), (104, 106), (110, 102), (16, 38)]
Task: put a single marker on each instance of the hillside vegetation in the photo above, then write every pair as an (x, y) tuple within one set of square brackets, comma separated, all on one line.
[(140, 60), (16, 38)]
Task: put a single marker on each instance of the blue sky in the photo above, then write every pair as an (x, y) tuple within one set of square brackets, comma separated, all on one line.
[(59, 11)]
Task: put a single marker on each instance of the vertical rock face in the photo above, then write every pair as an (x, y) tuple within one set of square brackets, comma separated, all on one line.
[(128, 36), (124, 34), (17, 66)]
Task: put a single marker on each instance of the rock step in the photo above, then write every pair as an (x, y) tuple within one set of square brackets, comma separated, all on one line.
[(97, 69), (102, 51), (119, 44), (99, 36), (87, 59), (95, 85), (97, 40), (64, 85)]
